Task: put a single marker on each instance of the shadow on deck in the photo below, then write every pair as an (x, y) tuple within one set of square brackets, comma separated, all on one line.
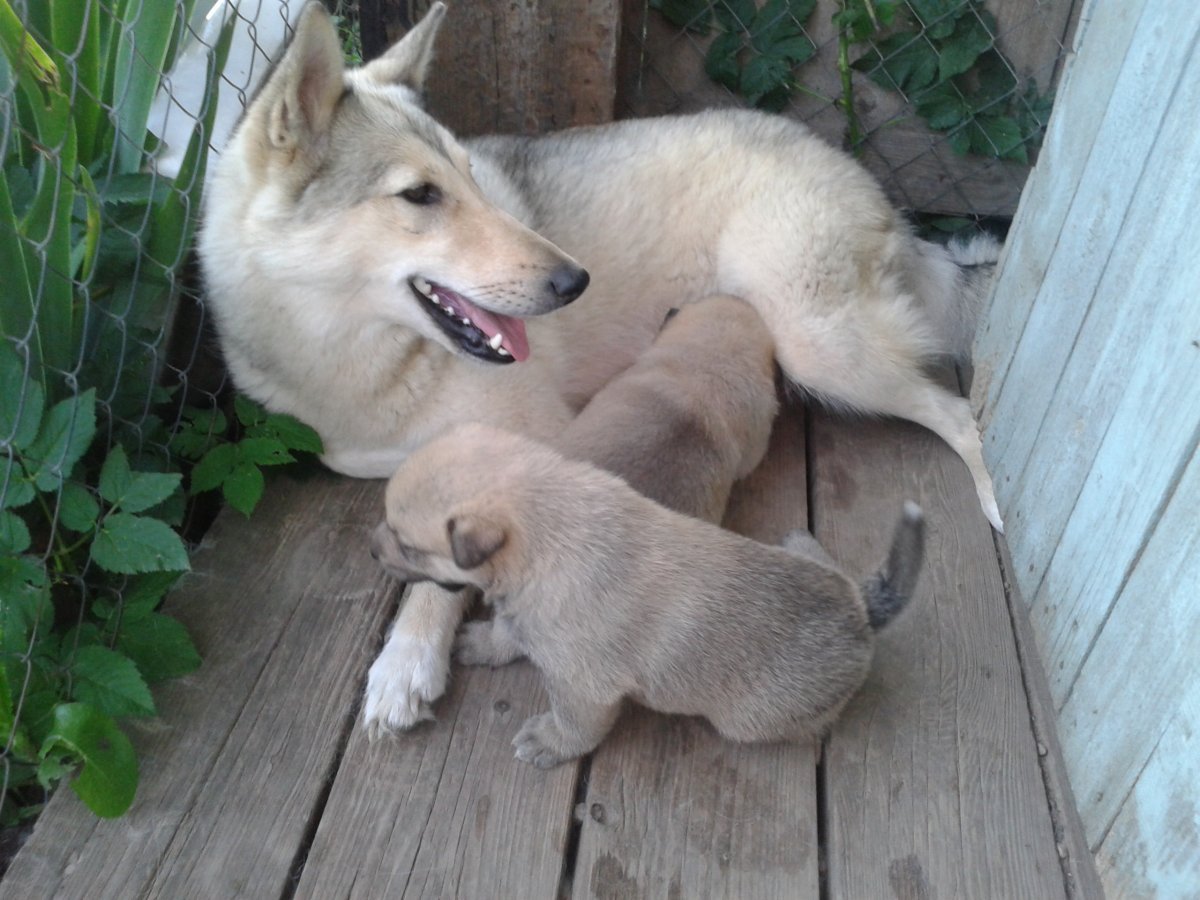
[(942, 779)]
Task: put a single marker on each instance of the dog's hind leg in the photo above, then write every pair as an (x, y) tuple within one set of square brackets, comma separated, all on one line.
[(410, 671), (802, 543), (574, 726)]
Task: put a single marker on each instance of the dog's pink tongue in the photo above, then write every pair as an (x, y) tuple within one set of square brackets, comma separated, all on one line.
[(510, 329)]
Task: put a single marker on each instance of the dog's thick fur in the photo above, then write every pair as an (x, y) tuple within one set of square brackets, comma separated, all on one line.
[(692, 415), (613, 596), (347, 235)]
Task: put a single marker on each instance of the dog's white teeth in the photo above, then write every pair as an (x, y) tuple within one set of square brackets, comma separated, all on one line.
[(423, 286), (447, 310), (466, 321), (502, 351), (496, 341)]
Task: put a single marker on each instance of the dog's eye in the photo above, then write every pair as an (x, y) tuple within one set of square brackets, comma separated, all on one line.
[(422, 195)]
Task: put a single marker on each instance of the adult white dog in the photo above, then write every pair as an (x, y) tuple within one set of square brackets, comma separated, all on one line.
[(382, 281)]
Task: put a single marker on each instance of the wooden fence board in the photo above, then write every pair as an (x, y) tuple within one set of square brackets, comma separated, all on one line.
[(1144, 659), (1087, 83), (1107, 214), (932, 781)]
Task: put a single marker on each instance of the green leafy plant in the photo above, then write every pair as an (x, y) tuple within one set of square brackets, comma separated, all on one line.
[(940, 54), (92, 478)]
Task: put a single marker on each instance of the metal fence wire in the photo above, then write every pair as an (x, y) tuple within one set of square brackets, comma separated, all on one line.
[(944, 101), (108, 111), (107, 372)]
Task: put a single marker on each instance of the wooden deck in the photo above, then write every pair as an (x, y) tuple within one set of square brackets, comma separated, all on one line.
[(942, 780)]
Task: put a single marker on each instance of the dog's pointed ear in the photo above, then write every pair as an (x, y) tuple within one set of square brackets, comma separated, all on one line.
[(474, 540), (407, 61), (308, 83)]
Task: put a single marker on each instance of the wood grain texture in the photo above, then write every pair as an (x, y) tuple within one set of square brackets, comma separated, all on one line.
[(1087, 83), (1153, 847), (672, 809), (932, 781), (512, 67), (1142, 663), (446, 810), (248, 738)]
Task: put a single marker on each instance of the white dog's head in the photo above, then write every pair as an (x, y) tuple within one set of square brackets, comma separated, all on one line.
[(337, 185)]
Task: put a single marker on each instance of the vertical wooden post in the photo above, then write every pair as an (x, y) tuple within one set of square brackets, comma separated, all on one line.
[(523, 66)]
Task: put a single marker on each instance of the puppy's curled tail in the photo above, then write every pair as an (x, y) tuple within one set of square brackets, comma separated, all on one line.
[(888, 590)]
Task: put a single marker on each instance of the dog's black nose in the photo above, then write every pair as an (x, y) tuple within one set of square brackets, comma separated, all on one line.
[(568, 282)]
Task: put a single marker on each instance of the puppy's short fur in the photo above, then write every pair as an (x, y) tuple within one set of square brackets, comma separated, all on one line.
[(612, 595), (692, 415)]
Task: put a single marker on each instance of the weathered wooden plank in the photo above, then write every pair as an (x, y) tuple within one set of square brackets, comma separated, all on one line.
[(932, 779), (513, 67), (673, 810), (446, 810), (1135, 467), (1107, 215), (1153, 847), (217, 761), (1079, 868), (1139, 316), (1129, 687), (1081, 105)]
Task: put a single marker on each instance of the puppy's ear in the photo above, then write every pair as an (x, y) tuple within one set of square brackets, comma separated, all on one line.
[(306, 87), (407, 61), (474, 540)]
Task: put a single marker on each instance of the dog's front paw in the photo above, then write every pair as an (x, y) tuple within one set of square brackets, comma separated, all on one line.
[(539, 742), (484, 644), (407, 676)]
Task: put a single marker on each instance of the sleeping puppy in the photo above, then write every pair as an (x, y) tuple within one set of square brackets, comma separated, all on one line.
[(692, 415), (612, 595)]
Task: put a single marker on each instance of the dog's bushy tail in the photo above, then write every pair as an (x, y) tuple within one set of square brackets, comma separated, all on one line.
[(888, 590), (953, 282)]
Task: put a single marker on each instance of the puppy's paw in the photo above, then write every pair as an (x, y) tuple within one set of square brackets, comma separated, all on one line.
[(539, 742), (407, 676), (479, 644)]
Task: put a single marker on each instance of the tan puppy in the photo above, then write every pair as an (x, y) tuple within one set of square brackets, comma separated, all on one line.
[(692, 415), (612, 595)]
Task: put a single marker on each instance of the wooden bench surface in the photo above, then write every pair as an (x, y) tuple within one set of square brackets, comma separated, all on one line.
[(941, 780)]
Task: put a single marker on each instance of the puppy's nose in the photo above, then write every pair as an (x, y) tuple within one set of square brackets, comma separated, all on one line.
[(568, 282)]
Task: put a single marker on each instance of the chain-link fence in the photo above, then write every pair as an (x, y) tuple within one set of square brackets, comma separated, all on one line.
[(944, 101), (109, 386)]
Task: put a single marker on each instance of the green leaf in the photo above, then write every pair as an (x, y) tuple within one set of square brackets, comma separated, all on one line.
[(263, 451), (998, 136), (202, 428), (943, 106), (138, 188), (903, 62), (764, 74), (78, 508), (213, 468), (244, 488), (160, 646), (24, 399), (735, 15), (108, 780), (65, 434), (110, 682), (134, 491), (22, 49), (129, 544), (141, 596), (51, 771), (14, 534), (721, 63), (15, 489), (25, 589), (141, 52), (694, 15), (248, 412), (972, 37), (294, 434)]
